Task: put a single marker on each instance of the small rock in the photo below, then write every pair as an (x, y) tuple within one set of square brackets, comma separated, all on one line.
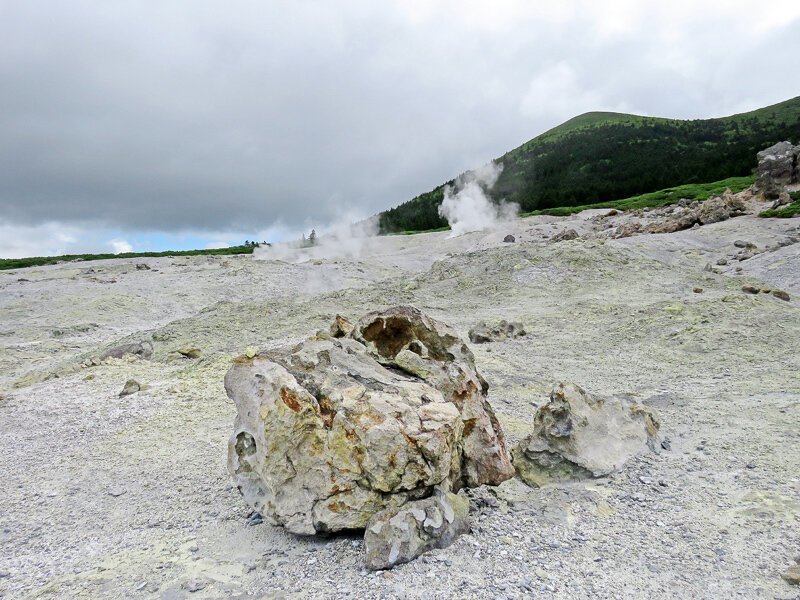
[(131, 387), (743, 244), (251, 351), (142, 267), (140, 349), (140, 587), (396, 536), (190, 351), (722, 262), (566, 235), (750, 289), (194, 585), (698, 290), (255, 519), (781, 295), (792, 575), (509, 239), (341, 327), (4, 574), (116, 491), (482, 333)]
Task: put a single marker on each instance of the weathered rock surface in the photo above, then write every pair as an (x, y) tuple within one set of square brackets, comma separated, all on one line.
[(396, 536), (509, 239), (341, 327), (140, 349), (331, 431), (131, 387), (482, 333), (566, 235), (578, 436), (777, 168)]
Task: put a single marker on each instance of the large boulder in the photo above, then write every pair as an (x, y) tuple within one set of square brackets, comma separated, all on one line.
[(578, 436), (331, 431), (777, 168), (396, 536)]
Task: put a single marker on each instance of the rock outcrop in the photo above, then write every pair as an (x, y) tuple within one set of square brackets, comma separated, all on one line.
[(566, 235), (777, 168), (331, 431), (482, 333), (578, 436), (396, 536)]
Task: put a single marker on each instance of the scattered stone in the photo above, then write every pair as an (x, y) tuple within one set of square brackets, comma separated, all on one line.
[(780, 294), (190, 351), (482, 333), (140, 349), (750, 289), (792, 575), (194, 585), (566, 235), (720, 208), (116, 491), (743, 244), (250, 351), (578, 436), (331, 431), (722, 262), (509, 239), (142, 267), (341, 327), (131, 387), (4, 574), (396, 536), (698, 290), (612, 213)]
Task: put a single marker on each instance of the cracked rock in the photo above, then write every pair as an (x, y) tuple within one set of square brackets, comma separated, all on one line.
[(331, 431)]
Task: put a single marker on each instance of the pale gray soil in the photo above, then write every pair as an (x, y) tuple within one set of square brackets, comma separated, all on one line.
[(129, 497)]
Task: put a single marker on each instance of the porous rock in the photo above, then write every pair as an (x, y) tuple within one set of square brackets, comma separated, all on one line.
[(396, 536), (331, 431), (482, 333), (578, 436)]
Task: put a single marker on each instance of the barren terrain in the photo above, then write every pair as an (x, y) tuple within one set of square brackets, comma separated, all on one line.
[(129, 497)]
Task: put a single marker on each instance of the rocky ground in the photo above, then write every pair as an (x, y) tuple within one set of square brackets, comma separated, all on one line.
[(108, 496)]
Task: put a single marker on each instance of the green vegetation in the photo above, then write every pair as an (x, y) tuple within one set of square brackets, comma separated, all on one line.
[(37, 261), (692, 191), (785, 212), (599, 157)]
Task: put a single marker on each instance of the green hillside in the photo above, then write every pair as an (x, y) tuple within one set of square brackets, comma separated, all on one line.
[(601, 156)]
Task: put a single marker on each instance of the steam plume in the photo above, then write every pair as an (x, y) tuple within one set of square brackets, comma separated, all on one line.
[(468, 208)]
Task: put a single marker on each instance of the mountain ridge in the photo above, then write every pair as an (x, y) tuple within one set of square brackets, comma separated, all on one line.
[(602, 156)]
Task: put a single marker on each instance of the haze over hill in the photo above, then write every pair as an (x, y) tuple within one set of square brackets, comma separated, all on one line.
[(603, 156)]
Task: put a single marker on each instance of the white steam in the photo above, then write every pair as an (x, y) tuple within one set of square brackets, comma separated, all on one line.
[(342, 240), (468, 208)]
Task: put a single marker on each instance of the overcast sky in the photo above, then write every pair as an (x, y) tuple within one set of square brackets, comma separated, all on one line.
[(189, 123)]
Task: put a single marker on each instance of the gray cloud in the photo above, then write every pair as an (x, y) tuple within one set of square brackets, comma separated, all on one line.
[(234, 116)]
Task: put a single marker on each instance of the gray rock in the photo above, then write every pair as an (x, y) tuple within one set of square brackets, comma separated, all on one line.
[(482, 333), (566, 235), (194, 585), (397, 536), (140, 349), (578, 436), (331, 431), (777, 168), (509, 239), (131, 387), (142, 267)]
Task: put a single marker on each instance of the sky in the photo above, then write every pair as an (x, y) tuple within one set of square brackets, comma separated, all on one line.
[(192, 124)]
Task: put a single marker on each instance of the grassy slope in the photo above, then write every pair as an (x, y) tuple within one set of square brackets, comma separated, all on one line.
[(599, 157), (37, 261)]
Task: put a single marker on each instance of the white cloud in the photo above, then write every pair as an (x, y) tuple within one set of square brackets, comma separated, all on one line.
[(120, 246)]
